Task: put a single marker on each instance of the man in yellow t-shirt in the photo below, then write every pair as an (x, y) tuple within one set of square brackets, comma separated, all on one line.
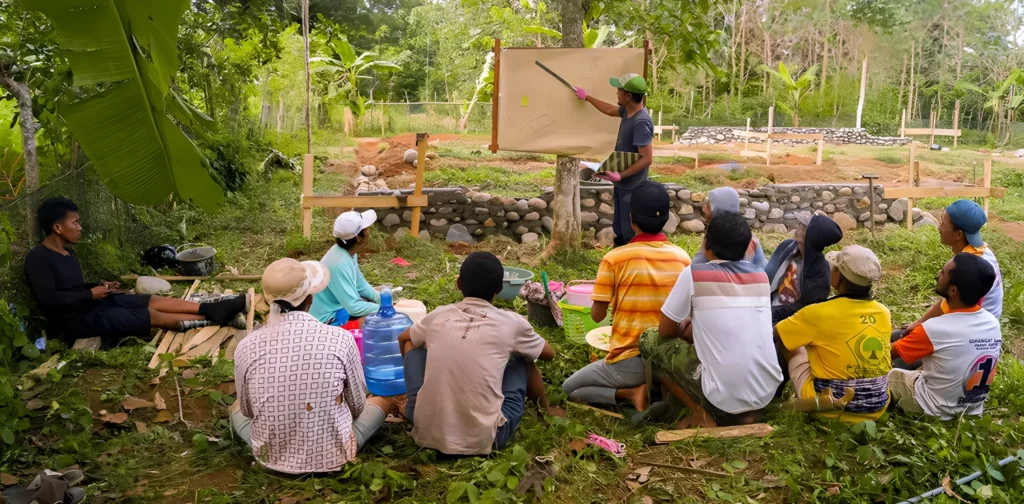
[(633, 280), (843, 342)]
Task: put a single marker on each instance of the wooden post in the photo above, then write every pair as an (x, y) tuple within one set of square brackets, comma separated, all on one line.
[(305, 42), (956, 122), (912, 181), (746, 139), (307, 190), (903, 123), (421, 162), (821, 145), (988, 179), (771, 122), (494, 96)]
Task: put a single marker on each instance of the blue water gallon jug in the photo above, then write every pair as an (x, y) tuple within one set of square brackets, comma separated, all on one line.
[(382, 363)]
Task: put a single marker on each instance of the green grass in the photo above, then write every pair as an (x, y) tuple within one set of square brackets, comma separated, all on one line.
[(890, 157), (890, 460)]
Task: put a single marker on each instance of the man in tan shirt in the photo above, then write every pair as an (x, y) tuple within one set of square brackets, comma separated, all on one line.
[(469, 367)]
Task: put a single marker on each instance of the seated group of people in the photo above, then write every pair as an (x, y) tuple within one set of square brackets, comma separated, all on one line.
[(719, 335), (722, 334)]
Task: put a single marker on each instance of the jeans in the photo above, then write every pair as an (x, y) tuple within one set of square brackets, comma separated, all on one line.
[(597, 382), (364, 426), (620, 219), (513, 391)]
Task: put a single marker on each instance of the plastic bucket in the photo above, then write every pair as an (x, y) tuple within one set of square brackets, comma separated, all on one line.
[(578, 293), (513, 282), (576, 322), (197, 261), (414, 308)]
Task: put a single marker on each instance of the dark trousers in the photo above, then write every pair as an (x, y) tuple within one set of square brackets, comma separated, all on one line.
[(620, 219), (513, 389), (898, 363)]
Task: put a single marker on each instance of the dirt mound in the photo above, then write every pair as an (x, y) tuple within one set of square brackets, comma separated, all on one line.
[(391, 162), (793, 159)]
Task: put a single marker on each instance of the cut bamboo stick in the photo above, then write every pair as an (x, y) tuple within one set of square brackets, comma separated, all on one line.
[(162, 349), (251, 316), (211, 343), (172, 278), (595, 410), (752, 430), (229, 352)]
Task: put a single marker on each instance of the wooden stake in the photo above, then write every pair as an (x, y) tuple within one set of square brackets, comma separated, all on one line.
[(251, 316), (988, 178), (212, 344), (494, 96), (162, 349), (821, 146), (932, 120), (746, 139), (307, 190), (912, 182), (421, 162), (199, 338), (771, 122), (956, 122), (863, 87), (903, 123)]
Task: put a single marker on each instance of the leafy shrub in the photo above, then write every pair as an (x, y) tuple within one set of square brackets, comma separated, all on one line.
[(226, 158)]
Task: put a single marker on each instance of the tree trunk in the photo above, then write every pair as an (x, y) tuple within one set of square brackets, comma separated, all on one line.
[(903, 81), (732, 54), (23, 95), (565, 205), (910, 93), (824, 52), (280, 114), (743, 51), (767, 59)]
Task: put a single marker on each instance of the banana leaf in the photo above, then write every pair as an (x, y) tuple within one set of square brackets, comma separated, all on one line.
[(128, 49)]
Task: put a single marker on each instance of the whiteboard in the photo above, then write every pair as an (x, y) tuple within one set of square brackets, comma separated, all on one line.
[(537, 113)]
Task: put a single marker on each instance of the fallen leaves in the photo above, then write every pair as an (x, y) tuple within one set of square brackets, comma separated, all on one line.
[(114, 418), (577, 445), (163, 416), (141, 427), (7, 479), (133, 403), (158, 400)]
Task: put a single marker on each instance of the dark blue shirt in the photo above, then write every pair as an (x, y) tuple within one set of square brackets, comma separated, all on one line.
[(634, 132)]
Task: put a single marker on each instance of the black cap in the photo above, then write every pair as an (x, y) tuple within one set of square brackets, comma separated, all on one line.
[(650, 205)]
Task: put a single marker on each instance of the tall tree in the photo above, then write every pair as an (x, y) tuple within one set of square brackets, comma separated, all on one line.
[(565, 206)]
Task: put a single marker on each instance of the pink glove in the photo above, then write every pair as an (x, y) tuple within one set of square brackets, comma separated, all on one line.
[(609, 176), (581, 93)]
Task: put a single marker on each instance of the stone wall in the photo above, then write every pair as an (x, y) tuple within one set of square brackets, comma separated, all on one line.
[(464, 215), (708, 135)]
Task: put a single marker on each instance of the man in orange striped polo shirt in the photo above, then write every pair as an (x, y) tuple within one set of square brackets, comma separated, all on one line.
[(632, 280)]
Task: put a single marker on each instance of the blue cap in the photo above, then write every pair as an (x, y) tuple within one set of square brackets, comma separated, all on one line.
[(969, 217)]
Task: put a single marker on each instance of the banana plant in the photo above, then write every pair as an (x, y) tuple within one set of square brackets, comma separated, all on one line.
[(346, 70), (999, 96), (796, 89), (484, 90), (123, 55)]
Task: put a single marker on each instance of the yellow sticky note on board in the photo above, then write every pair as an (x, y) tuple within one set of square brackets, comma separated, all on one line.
[(525, 101)]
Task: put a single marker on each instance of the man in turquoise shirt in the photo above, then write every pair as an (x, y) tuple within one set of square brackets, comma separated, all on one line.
[(348, 295)]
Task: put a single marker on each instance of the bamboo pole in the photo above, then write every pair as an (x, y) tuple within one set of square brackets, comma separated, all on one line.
[(956, 122), (421, 162)]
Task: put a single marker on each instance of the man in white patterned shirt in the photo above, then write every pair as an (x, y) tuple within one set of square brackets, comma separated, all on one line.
[(302, 402)]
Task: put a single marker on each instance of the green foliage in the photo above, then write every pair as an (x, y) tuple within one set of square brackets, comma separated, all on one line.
[(14, 347), (125, 129), (796, 89), (347, 70)]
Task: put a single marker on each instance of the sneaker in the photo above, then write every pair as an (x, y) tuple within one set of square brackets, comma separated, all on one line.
[(187, 325)]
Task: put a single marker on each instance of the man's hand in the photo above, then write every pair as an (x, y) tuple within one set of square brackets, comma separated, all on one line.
[(112, 286), (609, 176), (100, 292), (686, 329), (581, 93)]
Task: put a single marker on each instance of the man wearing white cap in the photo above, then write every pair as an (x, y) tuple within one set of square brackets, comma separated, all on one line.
[(348, 295), (843, 343), (302, 402)]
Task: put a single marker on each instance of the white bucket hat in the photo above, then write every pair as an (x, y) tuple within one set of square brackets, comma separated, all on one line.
[(292, 281)]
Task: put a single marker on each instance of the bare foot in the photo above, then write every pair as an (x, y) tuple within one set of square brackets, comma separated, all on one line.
[(696, 419), (555, 411), (635, 395)]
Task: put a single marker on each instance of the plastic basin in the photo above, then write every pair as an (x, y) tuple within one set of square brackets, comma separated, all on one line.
[(513, 282)]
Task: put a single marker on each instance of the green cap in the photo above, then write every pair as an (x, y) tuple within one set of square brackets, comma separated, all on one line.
[(630, 82)]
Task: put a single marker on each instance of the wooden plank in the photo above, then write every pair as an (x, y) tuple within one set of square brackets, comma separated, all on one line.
[(956, 121), (251, 316), (750, 153), (199, 338), (768, 144), (197, 279), (307, 191), (495, 93), (213, 343), (944, 192), (821, 148), (162, 349), (750, 134), (796, 136), (903, 123), (928, 131), (363, 201), (229, 352), (988, 178), (759, 430)]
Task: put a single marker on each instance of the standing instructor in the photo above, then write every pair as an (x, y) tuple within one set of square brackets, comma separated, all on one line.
[(636, 134)]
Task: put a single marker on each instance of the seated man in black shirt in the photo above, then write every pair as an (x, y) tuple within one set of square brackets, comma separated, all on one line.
[(78, 309)]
